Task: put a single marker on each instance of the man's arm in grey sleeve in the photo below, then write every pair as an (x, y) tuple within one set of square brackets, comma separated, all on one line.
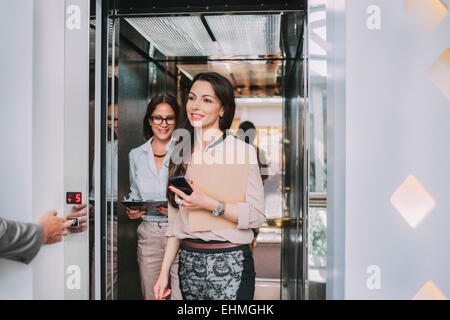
[(20, 241)]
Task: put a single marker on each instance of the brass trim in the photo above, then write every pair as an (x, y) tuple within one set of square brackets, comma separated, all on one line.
[(281, 223)]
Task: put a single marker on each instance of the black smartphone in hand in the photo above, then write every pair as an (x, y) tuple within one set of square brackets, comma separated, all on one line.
[(181, 184)]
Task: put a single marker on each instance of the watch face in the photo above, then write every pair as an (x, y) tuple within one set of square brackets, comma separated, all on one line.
[(219, 210)]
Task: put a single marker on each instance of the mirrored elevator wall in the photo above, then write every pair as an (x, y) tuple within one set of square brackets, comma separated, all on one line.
[(293, 252), (141, 76)]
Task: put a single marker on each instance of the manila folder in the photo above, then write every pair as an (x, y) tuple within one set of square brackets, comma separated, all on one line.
[(224, 182)]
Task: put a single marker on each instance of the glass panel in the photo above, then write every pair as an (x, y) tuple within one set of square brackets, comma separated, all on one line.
[(109, 152), (112, 161), (137, 79), (292, 240), (317, 217), (317, 249), (293, 270)]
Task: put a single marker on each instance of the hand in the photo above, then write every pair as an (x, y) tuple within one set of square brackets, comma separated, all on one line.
[(163, 210), (54, 227), (81, 214), (253, 245), (196, 200), (135, 214), (160, 289)]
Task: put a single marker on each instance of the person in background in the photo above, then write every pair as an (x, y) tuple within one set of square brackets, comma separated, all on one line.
[(148, 181), (247, 133)]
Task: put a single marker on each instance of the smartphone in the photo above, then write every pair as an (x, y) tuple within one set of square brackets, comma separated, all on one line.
[(181, 184)]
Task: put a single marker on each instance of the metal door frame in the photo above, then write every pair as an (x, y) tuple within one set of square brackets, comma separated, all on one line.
[(103, 12)]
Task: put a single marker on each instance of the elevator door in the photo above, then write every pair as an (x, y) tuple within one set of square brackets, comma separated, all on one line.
[(139, 73)]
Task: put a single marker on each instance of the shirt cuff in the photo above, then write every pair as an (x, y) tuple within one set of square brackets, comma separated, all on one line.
[(40, 232), (243, 215)]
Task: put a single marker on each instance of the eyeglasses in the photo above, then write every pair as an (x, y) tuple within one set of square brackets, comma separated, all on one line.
[(159, 120)]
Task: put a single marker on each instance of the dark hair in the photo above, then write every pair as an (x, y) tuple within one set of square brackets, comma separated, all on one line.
[(262, 163), (246, 125), (225, 93), (154, 102)]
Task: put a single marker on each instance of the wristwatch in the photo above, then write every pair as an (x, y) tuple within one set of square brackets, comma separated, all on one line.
[(219, 210)]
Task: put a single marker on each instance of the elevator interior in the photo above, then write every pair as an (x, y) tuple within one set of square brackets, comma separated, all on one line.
[(262, 50)]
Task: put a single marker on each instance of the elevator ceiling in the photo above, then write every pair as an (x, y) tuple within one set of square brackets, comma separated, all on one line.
[(241, 74), (212, 35)]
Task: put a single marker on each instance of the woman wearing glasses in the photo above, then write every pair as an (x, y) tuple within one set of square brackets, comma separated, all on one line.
[(148, 181)]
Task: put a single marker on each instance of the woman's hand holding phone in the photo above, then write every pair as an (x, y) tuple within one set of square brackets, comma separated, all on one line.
[(196, 200)]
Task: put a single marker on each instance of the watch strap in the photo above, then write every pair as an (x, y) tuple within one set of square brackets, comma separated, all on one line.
[(219, 210)]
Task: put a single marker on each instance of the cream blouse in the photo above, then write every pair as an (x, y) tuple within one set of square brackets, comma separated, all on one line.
[(251, 213)]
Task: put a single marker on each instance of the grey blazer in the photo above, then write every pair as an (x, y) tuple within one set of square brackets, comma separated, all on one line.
[(20, 241)]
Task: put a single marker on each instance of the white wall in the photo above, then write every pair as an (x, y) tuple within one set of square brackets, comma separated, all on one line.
[(397, 124), (15, 130), (44, 128), (261, 111), (48, 139)]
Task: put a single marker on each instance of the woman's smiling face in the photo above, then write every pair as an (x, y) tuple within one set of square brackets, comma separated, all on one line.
[(163, 130), (203, 107)]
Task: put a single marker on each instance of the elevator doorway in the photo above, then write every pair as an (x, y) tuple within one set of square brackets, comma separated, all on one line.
[(263, 52)]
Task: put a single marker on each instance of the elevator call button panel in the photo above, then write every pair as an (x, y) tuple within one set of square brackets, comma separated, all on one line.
[(73, 197)]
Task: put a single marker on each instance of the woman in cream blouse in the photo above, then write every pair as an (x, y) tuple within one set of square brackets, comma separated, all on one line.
[(216, 262)]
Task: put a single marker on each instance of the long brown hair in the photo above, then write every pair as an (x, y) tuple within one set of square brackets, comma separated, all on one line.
[(224, 92)]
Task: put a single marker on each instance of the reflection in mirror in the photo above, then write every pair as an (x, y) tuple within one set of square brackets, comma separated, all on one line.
[(317, 216)]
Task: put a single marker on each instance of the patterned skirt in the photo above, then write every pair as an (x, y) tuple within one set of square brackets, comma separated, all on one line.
[(216, 274)]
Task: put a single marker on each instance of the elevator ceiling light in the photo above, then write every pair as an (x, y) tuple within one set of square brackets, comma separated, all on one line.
[(426, 13), (265, 102), (191, 70), (176, 36), (412, 201), (239, 73), (439, 73), (429, 292), (246, 34)]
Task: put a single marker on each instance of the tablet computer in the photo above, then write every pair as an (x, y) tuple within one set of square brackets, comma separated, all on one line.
[(147, 205)]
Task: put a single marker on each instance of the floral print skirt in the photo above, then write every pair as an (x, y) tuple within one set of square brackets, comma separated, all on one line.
[(216, 274)]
